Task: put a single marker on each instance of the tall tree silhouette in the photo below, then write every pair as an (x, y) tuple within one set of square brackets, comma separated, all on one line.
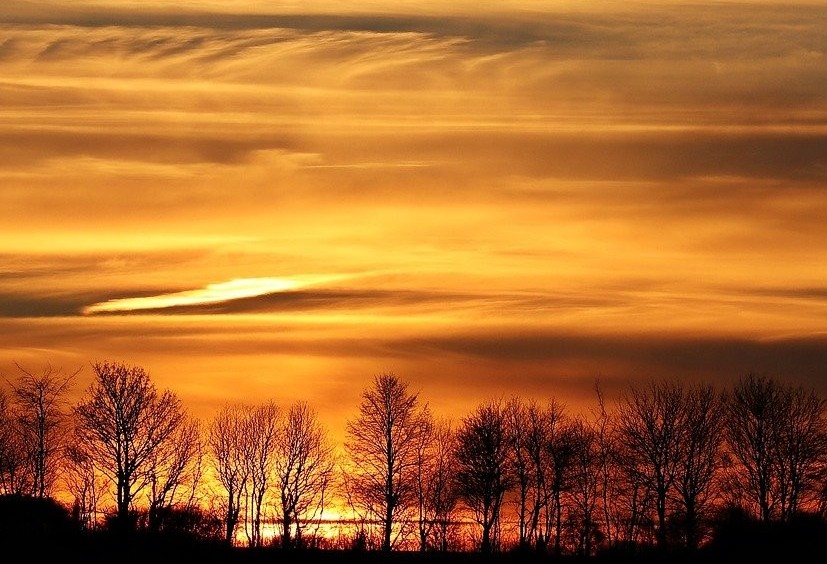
[(585, 484), (13, 477), (174, 473), (649, 419), (122, 423), (84, 483), (228, 451), (304, 470), (484, 471), (801, 451), (382, 446), (777, 434), (604, 427), (699, 457), (261, 436), (43, 422), (440, 493), (436, 496), (526, 474), (561, 455), (422, 477)]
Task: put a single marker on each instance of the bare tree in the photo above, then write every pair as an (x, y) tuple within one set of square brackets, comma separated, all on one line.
[(243, 442), (304, 467), (425, 443), (174, 472), (122, 424), (261, 436), (632, 500), (800, 451), (777, 436), (226, 441), (560, 449), (606, 456), (85, 484), (441, 493), (699, 457), (13, 476), (585, 484), (382, 443), (540, 424), (435, 495), (649, 433), (43, 422), (754, 409), (542, 457), (484, 471), (362, 535), (525, 473)]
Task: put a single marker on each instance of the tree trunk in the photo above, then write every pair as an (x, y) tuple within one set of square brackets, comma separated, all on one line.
[(386, 541), (286, 541)]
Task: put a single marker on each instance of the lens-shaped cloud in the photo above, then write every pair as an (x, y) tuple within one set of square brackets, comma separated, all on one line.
[(230, 290)]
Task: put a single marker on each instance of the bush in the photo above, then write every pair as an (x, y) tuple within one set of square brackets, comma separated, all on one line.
[(32, 521)]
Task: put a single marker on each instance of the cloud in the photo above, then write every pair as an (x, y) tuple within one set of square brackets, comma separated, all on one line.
[(551, 190), (452, 366), (63, 304), (33, 148), (215, 293), (63, 284)]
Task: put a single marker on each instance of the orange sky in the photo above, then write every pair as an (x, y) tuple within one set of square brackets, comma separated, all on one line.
[(253, 200)]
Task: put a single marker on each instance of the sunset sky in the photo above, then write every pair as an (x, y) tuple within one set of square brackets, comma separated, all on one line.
[(261, 199)]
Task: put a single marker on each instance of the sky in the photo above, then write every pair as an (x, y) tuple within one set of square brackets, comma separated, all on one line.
[(260, 200)]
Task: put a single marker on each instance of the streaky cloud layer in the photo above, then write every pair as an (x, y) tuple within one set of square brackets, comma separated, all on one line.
[(490, 198)]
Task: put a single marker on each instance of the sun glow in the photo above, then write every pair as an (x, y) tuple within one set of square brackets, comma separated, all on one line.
[(210, 294)]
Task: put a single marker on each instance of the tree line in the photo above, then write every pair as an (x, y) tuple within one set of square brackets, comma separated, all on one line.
[(657, 468)]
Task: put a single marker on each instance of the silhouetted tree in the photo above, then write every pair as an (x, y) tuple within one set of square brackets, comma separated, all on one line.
[(441, 492), (755, 407), (382, 446), (226, 440), (43, 422), (540, 423), (122, 424), (13, 477), (777, 435), (174, 473), (304, 466), (484, 472), (800, 453), (518, 418), (532, 432), (422, 476), (435, 493), (606, 457), (260, 441), (84, 483), (648, 422), (585, 484), (560, 449), (362, 535), (699, 457)]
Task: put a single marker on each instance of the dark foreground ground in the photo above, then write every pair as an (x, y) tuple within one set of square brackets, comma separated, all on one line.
[(39, 532), (156, 552)]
